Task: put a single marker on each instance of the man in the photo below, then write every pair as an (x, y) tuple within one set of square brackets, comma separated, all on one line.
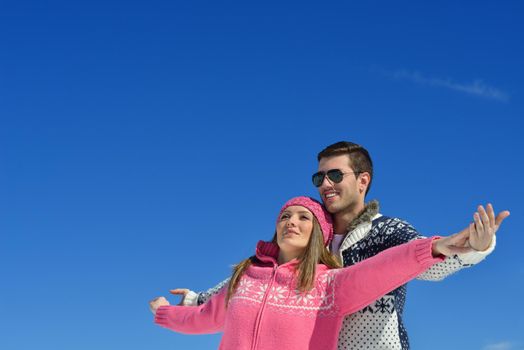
[(345, 173)]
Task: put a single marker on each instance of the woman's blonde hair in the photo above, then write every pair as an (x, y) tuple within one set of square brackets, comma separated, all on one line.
[(315, 253)]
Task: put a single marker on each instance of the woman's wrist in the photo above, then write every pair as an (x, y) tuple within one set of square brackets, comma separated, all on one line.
[(435, 251)]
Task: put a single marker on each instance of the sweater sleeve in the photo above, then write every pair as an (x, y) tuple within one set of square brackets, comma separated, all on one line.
[(397, 231), (360, 284), (203, 297), (455, 263), (206, 318), (199, 298)]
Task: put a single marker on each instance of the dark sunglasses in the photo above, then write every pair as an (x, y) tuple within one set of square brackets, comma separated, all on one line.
[(335, 175)]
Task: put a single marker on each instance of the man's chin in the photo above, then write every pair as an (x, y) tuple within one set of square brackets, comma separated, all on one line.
[(332, 208)]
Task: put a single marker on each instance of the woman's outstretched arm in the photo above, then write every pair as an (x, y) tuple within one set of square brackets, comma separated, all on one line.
[(203, 319)]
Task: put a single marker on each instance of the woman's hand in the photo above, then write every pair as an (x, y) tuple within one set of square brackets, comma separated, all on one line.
[(156, 303), (452, 245)]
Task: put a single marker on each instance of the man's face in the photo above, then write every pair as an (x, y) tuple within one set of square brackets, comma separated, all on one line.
[(344, 195)]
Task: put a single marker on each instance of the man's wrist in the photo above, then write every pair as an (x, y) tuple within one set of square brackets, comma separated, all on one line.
[(483, 249), (474, 257), (190, 299)]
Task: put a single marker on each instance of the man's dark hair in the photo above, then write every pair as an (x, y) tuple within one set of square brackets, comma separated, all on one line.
[(360, 161)]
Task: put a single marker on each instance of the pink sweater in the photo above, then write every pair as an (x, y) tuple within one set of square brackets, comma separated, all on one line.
[(267, 312)]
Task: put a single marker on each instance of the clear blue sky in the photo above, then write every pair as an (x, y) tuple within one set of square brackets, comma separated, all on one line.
[(148, 145)]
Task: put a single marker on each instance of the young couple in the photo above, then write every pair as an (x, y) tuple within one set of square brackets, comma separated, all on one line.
[(290, 295)]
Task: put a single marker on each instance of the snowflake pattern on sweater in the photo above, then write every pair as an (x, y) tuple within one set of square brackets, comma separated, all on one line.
[(317, 302), (287, 319), (379, 325)]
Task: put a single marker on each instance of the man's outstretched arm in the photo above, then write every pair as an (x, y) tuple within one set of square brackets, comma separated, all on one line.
[(483, 241), (190, 298)]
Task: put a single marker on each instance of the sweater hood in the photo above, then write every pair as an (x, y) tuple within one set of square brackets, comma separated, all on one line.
[(366, 215), (267, 251)]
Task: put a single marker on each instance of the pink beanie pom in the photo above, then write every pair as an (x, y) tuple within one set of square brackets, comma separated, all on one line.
[(321, 214)]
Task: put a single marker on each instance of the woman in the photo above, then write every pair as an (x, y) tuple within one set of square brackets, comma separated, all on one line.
[(289, 294)]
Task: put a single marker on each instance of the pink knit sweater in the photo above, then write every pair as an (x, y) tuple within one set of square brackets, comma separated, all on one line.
[(267, 312)]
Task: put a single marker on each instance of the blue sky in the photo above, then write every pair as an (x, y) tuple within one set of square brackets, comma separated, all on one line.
[(148, 145)]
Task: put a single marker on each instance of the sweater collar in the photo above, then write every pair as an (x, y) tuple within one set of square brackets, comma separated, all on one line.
[(267, 252), (366, 215)]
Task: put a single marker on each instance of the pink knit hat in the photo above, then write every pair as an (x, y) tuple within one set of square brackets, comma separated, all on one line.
[(321, 214)]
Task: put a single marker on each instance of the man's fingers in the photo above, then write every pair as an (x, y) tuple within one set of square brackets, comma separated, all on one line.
[(471, 234), (179, 291), (500, 217), (491, 214), (478, 223), (484, 217)]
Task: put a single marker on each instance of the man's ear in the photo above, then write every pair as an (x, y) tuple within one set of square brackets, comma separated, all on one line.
[(363, 182)]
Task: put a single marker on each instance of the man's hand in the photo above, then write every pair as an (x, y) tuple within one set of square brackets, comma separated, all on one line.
[(156, 303), (485, 227), (180, 291), (477, 236)]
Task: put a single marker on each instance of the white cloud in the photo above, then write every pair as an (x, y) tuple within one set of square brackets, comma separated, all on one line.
[(505, 345), (477, 87)]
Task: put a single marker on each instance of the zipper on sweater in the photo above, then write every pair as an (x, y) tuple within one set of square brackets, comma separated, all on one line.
[(262, 308)]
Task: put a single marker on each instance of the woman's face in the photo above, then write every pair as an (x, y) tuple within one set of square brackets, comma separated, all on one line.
[(294, 229)]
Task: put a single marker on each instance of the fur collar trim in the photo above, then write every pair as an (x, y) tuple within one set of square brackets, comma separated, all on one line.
[(366, 215)]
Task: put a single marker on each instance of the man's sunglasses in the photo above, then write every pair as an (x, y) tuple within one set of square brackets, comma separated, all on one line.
[(335, 175)]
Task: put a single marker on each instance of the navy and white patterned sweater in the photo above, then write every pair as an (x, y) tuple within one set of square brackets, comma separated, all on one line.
[(379, 325)]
